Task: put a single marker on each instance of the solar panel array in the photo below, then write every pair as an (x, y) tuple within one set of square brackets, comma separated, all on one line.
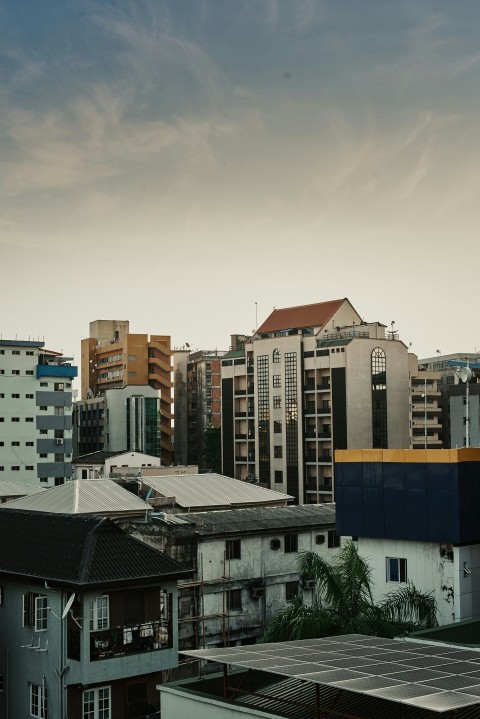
[(436, 678)]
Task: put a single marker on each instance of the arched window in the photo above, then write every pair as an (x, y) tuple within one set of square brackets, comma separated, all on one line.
[(276, 355), (379, 399)]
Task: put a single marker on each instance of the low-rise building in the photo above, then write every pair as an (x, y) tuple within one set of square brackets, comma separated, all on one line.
[(414, 516), (88, 618)]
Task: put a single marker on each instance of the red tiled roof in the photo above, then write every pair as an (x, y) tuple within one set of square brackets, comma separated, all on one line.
[(316, 315)]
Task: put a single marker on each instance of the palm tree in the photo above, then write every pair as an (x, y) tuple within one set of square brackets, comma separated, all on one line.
[(343, 603)]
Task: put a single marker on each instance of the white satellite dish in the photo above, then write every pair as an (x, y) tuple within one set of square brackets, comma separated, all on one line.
[(465, 374), (68, 605)]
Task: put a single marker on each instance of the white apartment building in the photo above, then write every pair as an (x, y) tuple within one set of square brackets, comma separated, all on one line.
[(35, 413), (311, 380)]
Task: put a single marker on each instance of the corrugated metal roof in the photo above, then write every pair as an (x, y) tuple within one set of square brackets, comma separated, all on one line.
[(211, 490), (316, 315), (235, 521), (96, 457), (82, 496), (18, 489)]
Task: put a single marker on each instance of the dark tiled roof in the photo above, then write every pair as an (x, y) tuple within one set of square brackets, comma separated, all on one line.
[(261, 519), (96, 457), (316, 315), (78, 551), (233, 353)]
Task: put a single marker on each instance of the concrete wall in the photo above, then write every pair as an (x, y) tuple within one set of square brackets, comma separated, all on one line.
[(176, 703)]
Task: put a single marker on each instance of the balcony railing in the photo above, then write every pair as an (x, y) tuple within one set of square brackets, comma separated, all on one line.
[(131, 639)]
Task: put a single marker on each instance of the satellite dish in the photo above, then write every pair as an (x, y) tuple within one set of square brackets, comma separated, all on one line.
[(465, 374), (68, 605)]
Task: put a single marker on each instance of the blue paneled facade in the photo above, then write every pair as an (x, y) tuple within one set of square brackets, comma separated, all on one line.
[(416, 495)]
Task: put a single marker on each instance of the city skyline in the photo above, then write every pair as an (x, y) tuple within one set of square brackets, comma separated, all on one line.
[(190, 166)]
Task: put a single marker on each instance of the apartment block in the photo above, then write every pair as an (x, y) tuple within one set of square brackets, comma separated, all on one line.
[(426, 415), (112, 358), (312, 379), (197, 403), (127, 418), (35, 413)]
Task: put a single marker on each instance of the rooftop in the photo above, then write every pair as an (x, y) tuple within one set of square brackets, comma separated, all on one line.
[(20, 343), (316, 315), (359, 676), (18, 489), (78, 551), (197, 491), (99, 457), (83, 496), (236, 521)]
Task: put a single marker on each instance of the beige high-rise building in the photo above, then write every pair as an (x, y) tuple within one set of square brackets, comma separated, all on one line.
[(312, 379), (113, 358)]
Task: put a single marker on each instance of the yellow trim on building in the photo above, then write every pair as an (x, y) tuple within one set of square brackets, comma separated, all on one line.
[(412, 456)]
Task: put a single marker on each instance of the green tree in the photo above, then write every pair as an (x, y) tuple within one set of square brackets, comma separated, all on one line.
[(212, 449), (343, 603)]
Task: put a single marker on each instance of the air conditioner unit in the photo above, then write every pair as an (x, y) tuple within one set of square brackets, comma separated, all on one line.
[(275, 544), (59, 441), (309, 583), (256, 592), (320, 539)]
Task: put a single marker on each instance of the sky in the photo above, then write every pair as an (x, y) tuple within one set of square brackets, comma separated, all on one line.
[(189, 165)]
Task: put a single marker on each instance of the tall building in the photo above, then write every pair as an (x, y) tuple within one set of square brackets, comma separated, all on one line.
[(112, 358), (453, 398), (426, 416), (197, 401), (126, 418), (35, 413), (312, 379)]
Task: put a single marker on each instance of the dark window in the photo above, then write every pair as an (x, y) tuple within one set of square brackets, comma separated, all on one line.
[(233, 549), (291, 543), (291, 591), (277, 427), (333, 539), (379, 399), (396, 569), (277, 452), (278, 476), (234, 599)]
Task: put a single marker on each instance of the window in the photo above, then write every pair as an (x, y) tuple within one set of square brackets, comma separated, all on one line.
[(29, 371), (29, 444), (234, 599), (15, 396), (16, 468), (29, 396), (38, 701), (97, 703), (2, 468), (43, 384), (2, 395), (29, 466), (15, 444), (396, 569), (29, 353), (291, 543), (15, 352), (277, 380), (44, 431), (132, 374), (15, 371), (277, 427), (58, 386), (98, 613), (15, 419), (291, 591), (28, 419), (278, 476), (35, 611), (43, 408), (277, 452), (333, 539), (43, 456), (132, 358), (276, 355), (277, 401), (233, 549), (58, 434)]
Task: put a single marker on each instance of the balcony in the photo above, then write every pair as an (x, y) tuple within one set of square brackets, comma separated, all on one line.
[(131, 639), (324, 435), (324, 387), (240, 392), (240, 436), (310, 408)]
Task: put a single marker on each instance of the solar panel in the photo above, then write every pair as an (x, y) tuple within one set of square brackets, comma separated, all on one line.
[(454, 682), (442, 701), (368, 683), (415, 675)]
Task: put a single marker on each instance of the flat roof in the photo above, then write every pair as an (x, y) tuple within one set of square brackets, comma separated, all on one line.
[(20, 343), (415, 674)]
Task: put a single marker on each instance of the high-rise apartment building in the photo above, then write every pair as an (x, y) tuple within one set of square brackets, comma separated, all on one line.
[(112, 358), (197, 401), (456, 413), (426, 416), (35, 413), (312, 379)]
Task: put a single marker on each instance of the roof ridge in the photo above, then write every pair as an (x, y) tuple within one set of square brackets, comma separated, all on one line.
[(88, 551)]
